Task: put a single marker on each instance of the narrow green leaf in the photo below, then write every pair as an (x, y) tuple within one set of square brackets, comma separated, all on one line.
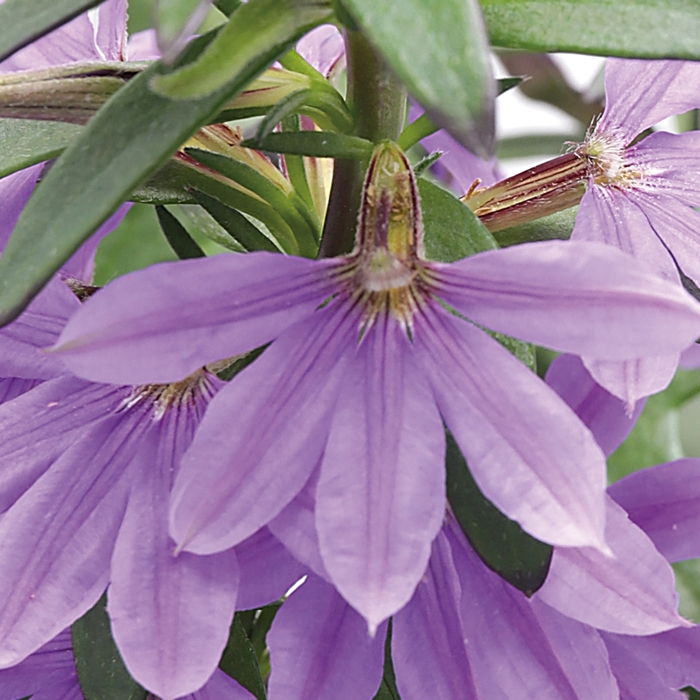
[(440, 51), (424, 163), (285, 107), (266, 27), (452, 230), (235, 224), (23, 22), (240, 662), (320, 144), (26, 142), (101, 671), (634, 28), (691, 692), (305, 233), (177, 236), (176, 21), (688, 587), (501, 543), (228, 7), (130, 138), (556, 226)]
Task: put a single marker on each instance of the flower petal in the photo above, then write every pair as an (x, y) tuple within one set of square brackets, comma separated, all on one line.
[(109, 27), (602, 413), (221, 687), (670, 164), (376, 521), (163, 323), (15, 191), (526, 448), (632, 380), (319, 648), (636, 679), (262, 436), (427, 645), (639, 94), (57, 540), (512, 651), (267, 569), (618, 218), (665, 502), (584, 298), (629, 593), (170, 615)]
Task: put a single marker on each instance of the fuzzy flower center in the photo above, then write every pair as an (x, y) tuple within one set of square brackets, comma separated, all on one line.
[(608, 162), (189, 393)]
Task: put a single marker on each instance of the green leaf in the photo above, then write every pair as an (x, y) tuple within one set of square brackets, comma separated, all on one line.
[(452, 230), (176, 21), (101, 671), (23, 22), (245, 234), (177, 236), (634, 28), (656, 437), (319, 144), (27, 142), (691, 693), (240, 662), (556, 226), (259, 28), (228, 7), (440, 51), (132, 136), (688, 587), (501, 543), (534, 145)]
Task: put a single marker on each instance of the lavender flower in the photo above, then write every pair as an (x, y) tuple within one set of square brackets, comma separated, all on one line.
[(466, 633), (640, 194), (366, 364)]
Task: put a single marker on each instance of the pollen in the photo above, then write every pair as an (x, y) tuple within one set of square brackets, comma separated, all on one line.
[(608, 163)]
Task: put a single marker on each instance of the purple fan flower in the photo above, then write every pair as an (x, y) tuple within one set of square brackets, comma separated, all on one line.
[(366, 363), (467, 634), (50, 674), (640, 194)]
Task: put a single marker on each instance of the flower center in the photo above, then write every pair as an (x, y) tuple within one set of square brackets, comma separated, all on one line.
[(608, 164)]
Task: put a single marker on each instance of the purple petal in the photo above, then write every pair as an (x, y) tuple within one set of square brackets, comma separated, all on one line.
[(15, 191), (221, 687), (56, 541), (665, 502), (319, 648), (295, 527), (690, 357), (584, 298), (427, 645), (143, 46), (377, 520), (267, 569), (528, 451), (617, 218), (163, 323), (632, 380), (512, 651), (674, 655), (109, 27), (669, 163), (678, 226), (13, 387), (23, 341), (170, 615), (602, 413), (41, 425), (262, 436), (629, 593), (323, 48), (639, 94), (48, 673), (636, 679)]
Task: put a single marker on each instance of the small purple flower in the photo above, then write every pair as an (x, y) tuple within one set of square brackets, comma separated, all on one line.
[(640, 194), (367, 362)]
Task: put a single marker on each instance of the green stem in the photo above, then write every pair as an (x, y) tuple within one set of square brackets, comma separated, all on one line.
[(378, 102)]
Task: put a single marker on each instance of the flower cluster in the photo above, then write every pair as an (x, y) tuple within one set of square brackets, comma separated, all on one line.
[(354, 445)]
